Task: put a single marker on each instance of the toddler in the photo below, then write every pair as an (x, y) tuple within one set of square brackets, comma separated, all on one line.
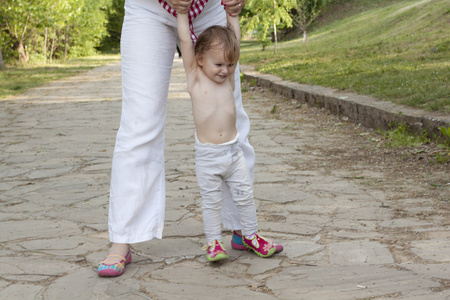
[(210, 67)]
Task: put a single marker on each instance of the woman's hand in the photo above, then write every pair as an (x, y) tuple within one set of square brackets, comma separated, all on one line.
[(233, 7), (180, 6)]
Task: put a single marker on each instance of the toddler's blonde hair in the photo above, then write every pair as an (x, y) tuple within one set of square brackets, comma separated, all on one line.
[(218, 37)]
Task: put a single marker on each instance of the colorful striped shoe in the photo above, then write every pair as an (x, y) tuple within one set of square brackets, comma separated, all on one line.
[(236, 243), (215, 251), (260, 245), (113, 265)]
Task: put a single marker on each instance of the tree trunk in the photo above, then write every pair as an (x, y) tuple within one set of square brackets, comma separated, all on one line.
[(2, 63), (275, 36), (275, 27), (45, 44), (305, 39), (66, 43), (23, 55), (51, 49)]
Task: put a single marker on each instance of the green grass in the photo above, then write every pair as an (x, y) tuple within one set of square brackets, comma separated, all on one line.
[(16, 79), (397, 51), (401, 137)]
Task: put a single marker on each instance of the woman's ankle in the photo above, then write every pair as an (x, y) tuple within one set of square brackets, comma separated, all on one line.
[(119, 249)]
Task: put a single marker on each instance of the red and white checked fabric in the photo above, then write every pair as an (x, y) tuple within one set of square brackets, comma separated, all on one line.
[(195, 9)]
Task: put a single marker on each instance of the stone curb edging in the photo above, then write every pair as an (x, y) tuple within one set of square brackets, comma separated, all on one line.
[(366, 110)]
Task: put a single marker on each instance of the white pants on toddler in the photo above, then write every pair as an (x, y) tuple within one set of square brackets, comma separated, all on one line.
[(216, 166), (137, 196)]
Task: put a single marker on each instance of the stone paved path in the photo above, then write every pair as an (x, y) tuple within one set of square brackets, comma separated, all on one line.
[(55, 158)]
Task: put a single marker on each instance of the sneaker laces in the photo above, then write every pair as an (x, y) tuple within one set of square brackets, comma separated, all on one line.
[(255, 237), (211, 246)]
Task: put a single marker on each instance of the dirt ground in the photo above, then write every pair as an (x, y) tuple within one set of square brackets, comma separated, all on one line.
[(405, 173)]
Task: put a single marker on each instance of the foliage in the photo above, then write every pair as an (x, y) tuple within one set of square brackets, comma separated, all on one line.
[(445, 140), (90, 27), (442, 158), (43, 29), (445, 132), (444, 144), (20, 19), (305, 11), (2, 63), (263, 16), (115, 14), (402, 137)]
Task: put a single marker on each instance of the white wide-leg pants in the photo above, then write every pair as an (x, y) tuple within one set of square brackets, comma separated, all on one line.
[(216, 164), (137, 194)]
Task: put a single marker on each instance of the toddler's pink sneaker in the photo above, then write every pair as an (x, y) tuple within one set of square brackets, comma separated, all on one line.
[(236, 243), (113, 265), (215, 251), (260, 245)]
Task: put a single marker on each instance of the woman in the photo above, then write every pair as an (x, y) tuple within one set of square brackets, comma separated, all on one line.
[(137, 194)]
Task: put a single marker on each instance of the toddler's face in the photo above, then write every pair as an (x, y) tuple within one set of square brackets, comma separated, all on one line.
[(215, 66)]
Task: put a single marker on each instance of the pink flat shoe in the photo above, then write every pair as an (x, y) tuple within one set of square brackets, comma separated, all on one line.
[(113, 265)]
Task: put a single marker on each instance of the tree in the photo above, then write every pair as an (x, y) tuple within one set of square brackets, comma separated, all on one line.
[(2, 63), (51, 25), (57, 27), (88, 26), (265, 15), (115, 14), (75, 27), (20, 18), (305, 11)]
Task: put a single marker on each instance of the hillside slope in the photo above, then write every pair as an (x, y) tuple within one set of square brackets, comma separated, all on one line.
[(397, 52)]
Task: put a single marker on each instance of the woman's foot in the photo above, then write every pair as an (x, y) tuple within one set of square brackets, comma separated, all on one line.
[(114, 263)]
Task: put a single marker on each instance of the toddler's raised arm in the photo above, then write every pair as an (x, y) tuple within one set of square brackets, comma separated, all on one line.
[(233, 22), (187, 47)]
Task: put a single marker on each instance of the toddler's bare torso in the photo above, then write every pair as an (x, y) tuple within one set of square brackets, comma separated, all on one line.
[(213, 108)]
